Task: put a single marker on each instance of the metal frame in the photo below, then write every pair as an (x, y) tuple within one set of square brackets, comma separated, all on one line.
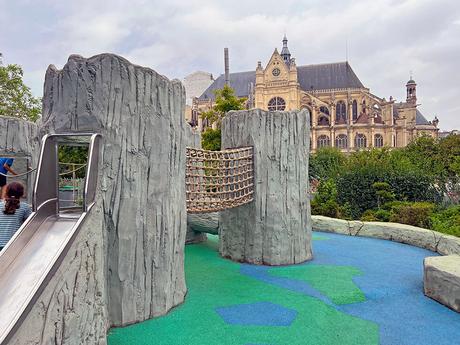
[(46, 205)]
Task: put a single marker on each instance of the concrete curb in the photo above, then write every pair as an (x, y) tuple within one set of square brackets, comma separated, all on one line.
[(419, 237)]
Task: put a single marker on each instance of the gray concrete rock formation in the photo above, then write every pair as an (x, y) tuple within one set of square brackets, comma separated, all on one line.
[(423, 238), (204, 222), (72, 307), (275, 229), (19, 138), (141, 117), (441, 280)]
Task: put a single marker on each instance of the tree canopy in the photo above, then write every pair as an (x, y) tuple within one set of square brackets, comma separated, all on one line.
[(16, 99), (225, 101)]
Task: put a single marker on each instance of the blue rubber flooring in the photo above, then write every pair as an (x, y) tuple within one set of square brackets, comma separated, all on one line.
[(392, 282)]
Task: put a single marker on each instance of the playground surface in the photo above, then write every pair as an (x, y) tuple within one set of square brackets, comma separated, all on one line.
[(355, 291)]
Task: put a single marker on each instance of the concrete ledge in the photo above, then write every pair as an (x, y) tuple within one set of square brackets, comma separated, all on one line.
[(419, 237), (441, 280)]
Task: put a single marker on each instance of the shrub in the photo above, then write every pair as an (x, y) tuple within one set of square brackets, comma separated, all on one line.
[(376, 216), (325, 201), (369, 216), (416, 213), (447, 221), (326, 163), (211, 139)]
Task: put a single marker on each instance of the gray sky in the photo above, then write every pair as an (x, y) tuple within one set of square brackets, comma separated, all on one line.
[(386, 39)]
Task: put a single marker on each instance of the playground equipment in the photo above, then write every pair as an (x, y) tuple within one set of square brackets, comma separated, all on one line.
[(218, 180), (126, 263), (31, 258)]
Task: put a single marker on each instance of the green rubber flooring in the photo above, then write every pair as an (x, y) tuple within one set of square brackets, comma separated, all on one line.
[(227, 306)]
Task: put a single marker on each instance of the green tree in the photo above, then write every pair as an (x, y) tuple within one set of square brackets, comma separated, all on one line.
[(384, 193), (16, 99), (210, 139), (72, 155), (326, 163), (225, 101)]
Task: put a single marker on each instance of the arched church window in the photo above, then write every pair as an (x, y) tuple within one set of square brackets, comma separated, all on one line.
[(323, 141), (354, 108), (378, 140), (341, 141), (360, 141), (276, 103), (323, 118), (341, 112), (324, 110)]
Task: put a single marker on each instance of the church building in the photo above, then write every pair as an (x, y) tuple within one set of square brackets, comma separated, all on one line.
[(344, 113)]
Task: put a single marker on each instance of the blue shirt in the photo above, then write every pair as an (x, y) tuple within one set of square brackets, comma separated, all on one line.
[(10, 223), (7, 161)]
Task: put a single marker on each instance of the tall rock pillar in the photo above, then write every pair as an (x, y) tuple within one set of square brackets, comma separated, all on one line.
[(142, 174), (274, 229)]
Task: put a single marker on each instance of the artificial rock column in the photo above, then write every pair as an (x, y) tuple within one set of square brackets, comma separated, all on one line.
[(274, 229), (140, 115)]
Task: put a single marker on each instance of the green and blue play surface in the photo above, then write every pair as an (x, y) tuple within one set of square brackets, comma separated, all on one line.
[(355, 291)]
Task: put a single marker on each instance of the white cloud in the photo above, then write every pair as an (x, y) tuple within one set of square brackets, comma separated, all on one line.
[(386, 39)]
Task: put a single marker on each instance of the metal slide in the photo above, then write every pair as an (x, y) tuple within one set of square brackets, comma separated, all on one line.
[(33, 255)]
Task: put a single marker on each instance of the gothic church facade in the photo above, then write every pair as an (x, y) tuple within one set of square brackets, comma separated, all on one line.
[(344, 113)]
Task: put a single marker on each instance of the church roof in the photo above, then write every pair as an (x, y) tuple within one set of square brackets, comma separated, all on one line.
[(311, 77), (420, 119), (238, 81), (337, 75)]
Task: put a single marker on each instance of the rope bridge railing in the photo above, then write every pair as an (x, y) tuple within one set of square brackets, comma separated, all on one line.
[(218, 180)]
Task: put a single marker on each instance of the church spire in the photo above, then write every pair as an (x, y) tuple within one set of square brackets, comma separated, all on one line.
[(285, 54)]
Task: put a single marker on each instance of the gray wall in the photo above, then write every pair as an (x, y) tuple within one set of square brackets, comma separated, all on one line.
[(19, 138), (275, 228), (141, 117)]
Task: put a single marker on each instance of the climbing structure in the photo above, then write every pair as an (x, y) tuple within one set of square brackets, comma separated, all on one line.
[(218, 180)]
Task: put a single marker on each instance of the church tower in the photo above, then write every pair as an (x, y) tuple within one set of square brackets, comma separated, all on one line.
[(285, 54), (411, 88)]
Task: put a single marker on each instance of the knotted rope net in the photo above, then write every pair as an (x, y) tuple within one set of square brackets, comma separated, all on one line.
[(219, 180)]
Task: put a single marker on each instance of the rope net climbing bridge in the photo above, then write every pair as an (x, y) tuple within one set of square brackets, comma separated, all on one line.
[(218, 180)]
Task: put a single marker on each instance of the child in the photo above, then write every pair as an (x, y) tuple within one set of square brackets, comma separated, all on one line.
[(5, 167), (13, 212)]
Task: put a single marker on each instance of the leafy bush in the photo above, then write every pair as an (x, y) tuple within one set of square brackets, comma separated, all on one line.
[(376, 216), (415, 213), (211, 140), (447, 221), (326, 163), (325, 201), (367, 184)]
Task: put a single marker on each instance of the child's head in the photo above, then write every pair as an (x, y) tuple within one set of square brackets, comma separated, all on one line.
[(13, 194)]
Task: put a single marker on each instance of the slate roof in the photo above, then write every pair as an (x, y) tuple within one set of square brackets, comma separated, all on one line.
[(238, 81), (420, 119), (311, 77), (327, 76)]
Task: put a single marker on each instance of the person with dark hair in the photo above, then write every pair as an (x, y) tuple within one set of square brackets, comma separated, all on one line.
[(5, 168), (13, 212)]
